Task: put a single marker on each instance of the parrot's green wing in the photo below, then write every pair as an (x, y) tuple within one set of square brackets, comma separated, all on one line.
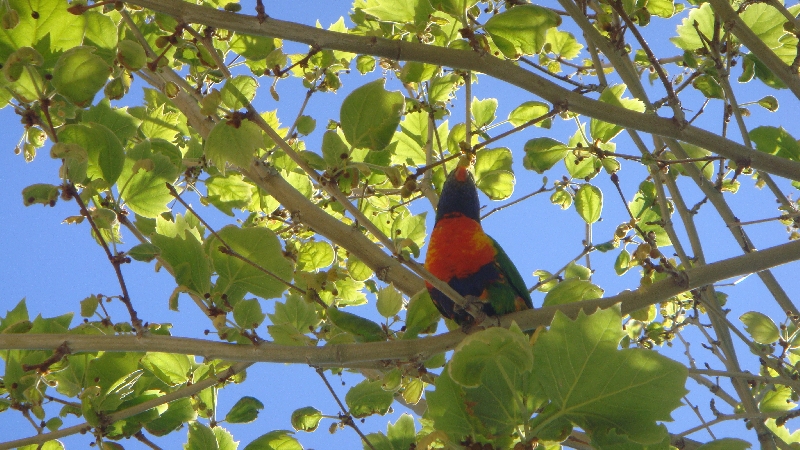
[(512, 274)]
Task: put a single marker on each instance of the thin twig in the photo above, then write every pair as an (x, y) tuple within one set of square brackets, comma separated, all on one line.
[(143, 439), (514, 202), (116, 261), (554, 111), (344, 416)]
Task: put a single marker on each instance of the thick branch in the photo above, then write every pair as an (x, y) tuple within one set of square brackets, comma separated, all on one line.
[(503, 70), (351, 238), (352, 355)]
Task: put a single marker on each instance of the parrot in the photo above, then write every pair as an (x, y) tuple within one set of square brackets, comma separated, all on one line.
[(461, 254)]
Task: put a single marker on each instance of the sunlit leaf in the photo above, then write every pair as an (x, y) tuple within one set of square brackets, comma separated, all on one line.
[(572, 361), (521, 30), (370, 115)]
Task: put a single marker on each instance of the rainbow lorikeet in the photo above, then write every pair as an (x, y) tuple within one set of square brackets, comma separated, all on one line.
[(470, 261)]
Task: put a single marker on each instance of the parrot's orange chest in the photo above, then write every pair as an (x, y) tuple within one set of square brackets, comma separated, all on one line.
[(458, 248)]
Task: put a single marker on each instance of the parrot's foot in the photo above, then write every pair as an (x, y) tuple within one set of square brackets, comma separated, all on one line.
[(474, 308)]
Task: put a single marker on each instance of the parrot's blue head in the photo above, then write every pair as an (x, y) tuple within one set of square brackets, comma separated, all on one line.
[(459, 195)]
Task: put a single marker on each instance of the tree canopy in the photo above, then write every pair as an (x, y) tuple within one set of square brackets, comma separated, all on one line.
[(283, 177)]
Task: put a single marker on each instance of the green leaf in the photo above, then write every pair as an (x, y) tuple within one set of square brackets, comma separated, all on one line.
[(101, 33), (79, 74), (454, 7), (402, 433), (253, 47), (572, 290), (370, 115), (613, 439), (45, 194), (763, 73), (365, 330), (688, 38), (521, 30), (106, 156), (708, 86), (52, 28), (49, 445), (115, 373), (401, 436), (421, 315), (725, 444), (184, 254), (359, 270), (493, 173), (306, 125), (646, 209), (589, 203), (769, 102), (225, 439), (15, 316), (200, 438), (258, 245), (598, 387), (778, 399), (783, 432), (578, 271), (306, 419), (528, 111), (248, 313), (179, 412), (228, 143), (408, 226), (409, 142), (563, 43), (483, 111), (171, 368), (315, 255), (365, 64), (417, 72), (623, 262), (334, 150), (760, 327), (89, 306), (228, 192), (367, 398), (143, 184), (76, 160), (776, 141), (447, 408), (543, 153), (275, 440), (244, 411), (118, 120), (389, 302), (442, 88), (661, 8), (766, 22), (296, 311), (131, 54), (486, 348), (239, 91), (604, 131), (401, 11)]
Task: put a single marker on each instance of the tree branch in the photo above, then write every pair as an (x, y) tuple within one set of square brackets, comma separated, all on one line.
[(351, 355), (503, 70)]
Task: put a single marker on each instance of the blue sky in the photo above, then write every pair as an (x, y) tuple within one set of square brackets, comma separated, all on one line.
[(54, 265)]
